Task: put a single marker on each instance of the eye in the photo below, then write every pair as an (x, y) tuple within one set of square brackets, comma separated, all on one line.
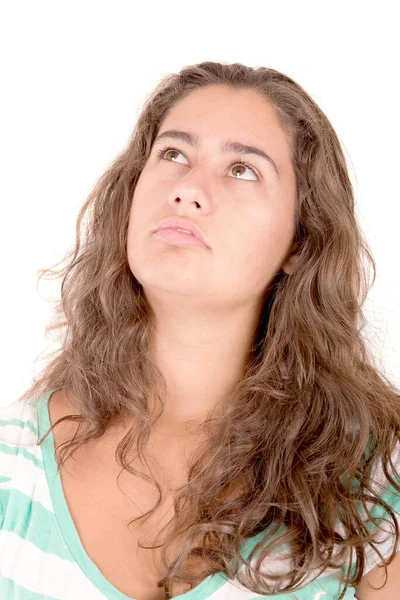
[(163, 151), (243, 164)]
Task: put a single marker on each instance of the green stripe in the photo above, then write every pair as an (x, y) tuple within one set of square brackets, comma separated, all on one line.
[(11, 591), (19, 423), (14, 450), (31, 521)]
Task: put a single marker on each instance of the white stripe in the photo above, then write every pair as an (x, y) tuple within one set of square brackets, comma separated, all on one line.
[(25, 477), (14, 434), (42, 572), (18, 410)]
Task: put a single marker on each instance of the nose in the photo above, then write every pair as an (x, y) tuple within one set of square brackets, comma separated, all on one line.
[(191, 191)]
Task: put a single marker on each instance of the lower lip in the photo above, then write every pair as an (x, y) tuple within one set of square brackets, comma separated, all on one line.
[(178, 237)]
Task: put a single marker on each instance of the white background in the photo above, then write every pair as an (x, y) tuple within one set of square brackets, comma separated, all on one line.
[(74, 76)]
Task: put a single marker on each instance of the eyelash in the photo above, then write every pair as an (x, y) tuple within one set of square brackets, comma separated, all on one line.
[(238, 161)]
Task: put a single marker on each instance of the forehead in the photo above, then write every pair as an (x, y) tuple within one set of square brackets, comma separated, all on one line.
[(218, 112)]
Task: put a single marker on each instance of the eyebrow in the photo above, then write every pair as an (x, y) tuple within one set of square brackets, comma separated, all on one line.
[(226, 146)]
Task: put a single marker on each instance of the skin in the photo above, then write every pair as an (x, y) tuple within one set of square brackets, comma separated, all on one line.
[(376, 578), (207, 301)]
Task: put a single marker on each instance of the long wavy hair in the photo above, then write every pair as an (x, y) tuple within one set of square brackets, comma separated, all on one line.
[(293, 446)]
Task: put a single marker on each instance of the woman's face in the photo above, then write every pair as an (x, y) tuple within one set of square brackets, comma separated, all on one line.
[(246, 213)]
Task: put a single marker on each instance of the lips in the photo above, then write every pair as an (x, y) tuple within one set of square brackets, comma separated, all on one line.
[(181, 223)]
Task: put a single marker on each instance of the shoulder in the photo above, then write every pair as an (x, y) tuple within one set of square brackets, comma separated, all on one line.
[(20, 457), (386, 516), (18, 424), (385, 483), (378, 585)]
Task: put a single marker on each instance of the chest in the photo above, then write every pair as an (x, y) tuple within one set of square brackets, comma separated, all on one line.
[(102, 505)]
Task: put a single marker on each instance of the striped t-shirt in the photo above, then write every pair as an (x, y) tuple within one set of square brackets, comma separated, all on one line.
[(41, 554)]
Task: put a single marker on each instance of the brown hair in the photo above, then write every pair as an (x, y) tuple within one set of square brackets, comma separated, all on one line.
[(297, 431)]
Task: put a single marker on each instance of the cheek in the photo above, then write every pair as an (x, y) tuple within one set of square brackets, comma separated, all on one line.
[(257, 251)]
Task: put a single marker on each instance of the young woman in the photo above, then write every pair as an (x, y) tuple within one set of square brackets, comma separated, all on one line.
[(213, 425)]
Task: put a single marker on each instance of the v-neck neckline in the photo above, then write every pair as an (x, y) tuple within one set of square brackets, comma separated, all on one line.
[(70, 534)]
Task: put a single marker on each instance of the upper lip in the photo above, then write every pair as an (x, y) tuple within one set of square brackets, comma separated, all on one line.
[(179, 222)]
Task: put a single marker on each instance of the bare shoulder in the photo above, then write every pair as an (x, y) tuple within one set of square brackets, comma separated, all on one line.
[(61, 404), (368, 589)]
